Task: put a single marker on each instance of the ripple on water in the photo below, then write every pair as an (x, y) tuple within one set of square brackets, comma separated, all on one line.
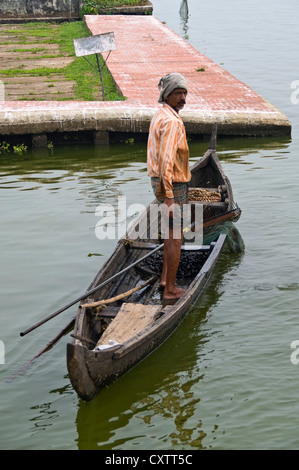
[(288, 287)]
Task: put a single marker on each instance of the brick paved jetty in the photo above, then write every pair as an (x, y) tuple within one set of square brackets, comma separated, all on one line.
[(146, 49)]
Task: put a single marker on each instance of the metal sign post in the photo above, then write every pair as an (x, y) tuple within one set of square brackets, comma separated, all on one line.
[(95, 45)]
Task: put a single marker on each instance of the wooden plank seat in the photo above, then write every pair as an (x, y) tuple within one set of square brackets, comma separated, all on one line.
[(139, 245), (130, 320), (210, 203)]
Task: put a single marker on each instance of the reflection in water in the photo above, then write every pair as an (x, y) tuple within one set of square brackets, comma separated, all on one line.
[(163, 393), (44, 417), (99, 171), (184, 14)]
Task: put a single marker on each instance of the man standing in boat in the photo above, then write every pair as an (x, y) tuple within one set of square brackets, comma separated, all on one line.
[(168, 167)]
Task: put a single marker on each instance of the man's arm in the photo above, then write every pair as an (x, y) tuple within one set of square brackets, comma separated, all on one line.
[(167, 153)]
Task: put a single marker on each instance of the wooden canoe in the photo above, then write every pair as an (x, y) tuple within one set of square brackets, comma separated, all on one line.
[(111, 338), (124, 320)]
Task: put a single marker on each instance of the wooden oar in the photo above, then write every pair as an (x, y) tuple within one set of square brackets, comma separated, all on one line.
[(91, 291), (49, 346)]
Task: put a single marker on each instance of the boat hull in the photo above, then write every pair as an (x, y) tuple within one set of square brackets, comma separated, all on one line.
[(90, 371), (92, 361)]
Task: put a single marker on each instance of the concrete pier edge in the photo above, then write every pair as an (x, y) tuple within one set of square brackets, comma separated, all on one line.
[(256, 117), (122, 119)]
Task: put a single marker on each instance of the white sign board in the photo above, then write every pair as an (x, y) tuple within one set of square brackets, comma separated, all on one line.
[(95, 44)]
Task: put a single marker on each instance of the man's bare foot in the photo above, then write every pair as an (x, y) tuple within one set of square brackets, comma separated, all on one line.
[(173, 294)]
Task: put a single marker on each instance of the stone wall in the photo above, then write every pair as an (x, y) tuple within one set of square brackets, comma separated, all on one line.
[(19, 9)]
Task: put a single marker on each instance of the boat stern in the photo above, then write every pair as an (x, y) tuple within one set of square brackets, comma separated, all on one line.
[(78, 372)]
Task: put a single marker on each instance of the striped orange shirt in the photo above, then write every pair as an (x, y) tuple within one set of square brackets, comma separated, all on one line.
[(167, 149)]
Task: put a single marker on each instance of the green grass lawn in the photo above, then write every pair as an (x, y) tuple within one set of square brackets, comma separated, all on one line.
[(86, 77), (91, 6)]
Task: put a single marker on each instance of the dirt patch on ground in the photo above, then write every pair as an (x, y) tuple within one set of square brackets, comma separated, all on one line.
[(20, 53)]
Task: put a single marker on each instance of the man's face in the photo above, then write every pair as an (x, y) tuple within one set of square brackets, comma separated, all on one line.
[(177, 99)]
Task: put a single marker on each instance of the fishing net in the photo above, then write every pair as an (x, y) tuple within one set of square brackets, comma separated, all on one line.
[(205, 195), (217, 196), (234, 240)]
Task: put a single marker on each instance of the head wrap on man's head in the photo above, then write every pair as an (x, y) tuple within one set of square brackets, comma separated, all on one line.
[(169, 83)]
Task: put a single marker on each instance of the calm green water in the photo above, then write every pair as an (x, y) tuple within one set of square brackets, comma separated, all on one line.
[(225, 379)]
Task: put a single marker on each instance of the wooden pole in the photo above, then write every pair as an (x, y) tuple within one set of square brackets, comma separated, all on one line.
[(120, 296), (49, 346), (92, 291)]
